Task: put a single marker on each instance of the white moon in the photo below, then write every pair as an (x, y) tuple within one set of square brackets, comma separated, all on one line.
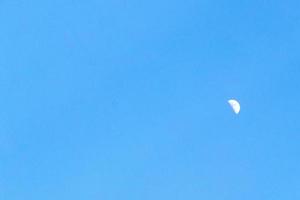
[(235, 105)]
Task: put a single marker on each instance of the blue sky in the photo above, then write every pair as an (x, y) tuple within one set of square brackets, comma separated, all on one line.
[(127, 99)]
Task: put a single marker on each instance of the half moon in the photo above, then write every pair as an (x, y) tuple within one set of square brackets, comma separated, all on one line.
[(235, 105)]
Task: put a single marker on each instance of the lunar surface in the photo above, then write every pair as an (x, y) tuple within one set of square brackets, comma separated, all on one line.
[(235, 105)]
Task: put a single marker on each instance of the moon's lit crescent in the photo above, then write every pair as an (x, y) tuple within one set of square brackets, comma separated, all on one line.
[(235, 105)]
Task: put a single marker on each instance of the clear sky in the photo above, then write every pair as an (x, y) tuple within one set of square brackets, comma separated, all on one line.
[(127, 99)]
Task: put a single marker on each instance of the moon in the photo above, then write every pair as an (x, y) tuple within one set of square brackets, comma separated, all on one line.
[(235, 105)]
